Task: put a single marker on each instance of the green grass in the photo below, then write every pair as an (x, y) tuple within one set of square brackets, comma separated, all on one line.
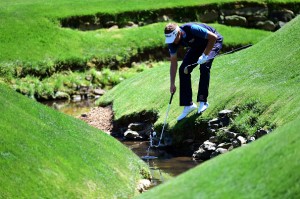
[(34, 46), (46, 154), (32, 39), (262, 83), (267, 168), (260, 75)]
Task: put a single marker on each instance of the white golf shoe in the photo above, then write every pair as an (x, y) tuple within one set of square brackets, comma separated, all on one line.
[(202, 107), (186, 111)]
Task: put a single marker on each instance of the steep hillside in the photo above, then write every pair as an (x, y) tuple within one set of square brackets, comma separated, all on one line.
[(266, 75), (267, 168), (46, 154)]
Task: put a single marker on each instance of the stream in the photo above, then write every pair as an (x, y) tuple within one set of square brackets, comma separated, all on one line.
[(166, 163)]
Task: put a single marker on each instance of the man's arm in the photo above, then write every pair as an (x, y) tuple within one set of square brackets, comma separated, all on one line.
[(206, 34), (212, 38), (173, 71)]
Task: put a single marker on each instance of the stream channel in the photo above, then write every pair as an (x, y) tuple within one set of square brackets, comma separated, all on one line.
[(163, 167)]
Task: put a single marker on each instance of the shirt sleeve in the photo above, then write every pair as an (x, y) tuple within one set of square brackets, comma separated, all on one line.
[(199, 31), (172, 49)]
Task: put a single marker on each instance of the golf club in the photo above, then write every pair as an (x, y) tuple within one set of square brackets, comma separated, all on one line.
[(186, 71), (162, 132)]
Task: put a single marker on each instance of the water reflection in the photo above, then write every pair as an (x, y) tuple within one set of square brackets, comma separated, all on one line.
[(73, 108)]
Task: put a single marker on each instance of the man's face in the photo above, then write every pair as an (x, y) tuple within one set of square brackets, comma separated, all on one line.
[(177, 39)]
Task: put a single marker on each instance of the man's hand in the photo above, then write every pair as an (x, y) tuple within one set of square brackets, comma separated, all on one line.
[(172, 88), (202, 59)]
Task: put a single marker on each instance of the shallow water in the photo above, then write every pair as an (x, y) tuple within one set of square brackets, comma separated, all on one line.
[(165, 162), (73, 108)]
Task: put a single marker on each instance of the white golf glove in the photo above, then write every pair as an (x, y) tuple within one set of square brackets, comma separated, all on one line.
[(202, 59)]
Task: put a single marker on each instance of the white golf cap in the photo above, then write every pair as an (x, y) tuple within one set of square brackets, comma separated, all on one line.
[(170, 36)]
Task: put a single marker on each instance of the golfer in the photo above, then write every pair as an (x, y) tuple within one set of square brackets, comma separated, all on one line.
[(203, 43)]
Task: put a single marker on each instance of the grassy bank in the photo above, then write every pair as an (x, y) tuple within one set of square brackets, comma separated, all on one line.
[(33, 41), (259, 76), (266, 168), (34, 46), (262, 82), (46, 154)]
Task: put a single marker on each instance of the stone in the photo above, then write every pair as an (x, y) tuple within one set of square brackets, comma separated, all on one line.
[(211, 131), (113, 27), (208, 146), (224, 145), (213, 121), (61, 95), (259, 133), (257, 18), (143, 185), (163, 18), (202, 154), (251, 139), (129, 134), (218, 152), (99, 91), (235, 144), (110, 23), (225, 112), (209, 16), (236, 20), (284, 15), (213, 139), (241, 140), (230, 134), (281, 24), (76, 98), (221, 150), (214, 154), (224, 121), (266, 25), (246, 11), (90, 64)]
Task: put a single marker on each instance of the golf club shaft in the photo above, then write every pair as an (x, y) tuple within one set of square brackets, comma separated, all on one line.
[(162, 132), (232, 51)]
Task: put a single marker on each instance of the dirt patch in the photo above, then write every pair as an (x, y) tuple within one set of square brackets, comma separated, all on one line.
[(100, 118)]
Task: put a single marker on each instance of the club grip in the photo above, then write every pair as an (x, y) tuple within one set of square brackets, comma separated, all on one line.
[(171, 98)]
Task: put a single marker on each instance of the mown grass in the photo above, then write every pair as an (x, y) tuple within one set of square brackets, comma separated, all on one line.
[(123, 44), (263, 169), (46, 154), (32, 40), (262, 83), (77, 48), (259, 74)]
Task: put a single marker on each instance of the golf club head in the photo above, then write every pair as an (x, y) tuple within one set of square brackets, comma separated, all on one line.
[(154, 134)]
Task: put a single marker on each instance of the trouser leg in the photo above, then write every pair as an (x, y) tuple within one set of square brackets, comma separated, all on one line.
[(204, 81), (185, 87), (203, 88)]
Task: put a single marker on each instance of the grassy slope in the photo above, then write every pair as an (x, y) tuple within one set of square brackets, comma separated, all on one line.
[(267, 168), (268, 73), (30, 34), (261, 73), (44, 153)]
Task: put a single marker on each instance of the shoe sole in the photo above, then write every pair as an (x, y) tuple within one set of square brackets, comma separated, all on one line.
[(187, 114)]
